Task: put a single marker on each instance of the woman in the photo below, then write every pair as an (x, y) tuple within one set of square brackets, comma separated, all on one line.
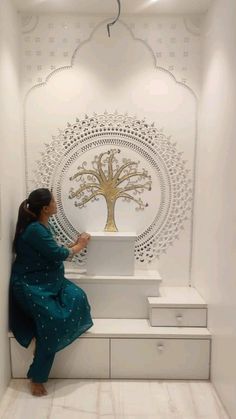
[(43, 304)]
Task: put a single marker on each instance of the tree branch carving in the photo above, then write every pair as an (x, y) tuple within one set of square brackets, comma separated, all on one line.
[(105, 179)]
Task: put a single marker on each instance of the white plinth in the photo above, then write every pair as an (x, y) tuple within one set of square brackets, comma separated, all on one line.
[(111, 253)]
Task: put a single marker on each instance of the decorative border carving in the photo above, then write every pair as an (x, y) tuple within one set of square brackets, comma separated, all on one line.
[(191, 25), (29, 21)]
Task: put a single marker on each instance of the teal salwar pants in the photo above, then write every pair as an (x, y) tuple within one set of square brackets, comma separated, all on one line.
[(40, 368)]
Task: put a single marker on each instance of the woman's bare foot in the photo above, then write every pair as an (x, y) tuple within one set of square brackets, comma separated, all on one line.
[(38, 389)]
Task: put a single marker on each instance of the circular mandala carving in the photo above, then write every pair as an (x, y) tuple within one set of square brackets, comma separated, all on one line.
[(139, 138)]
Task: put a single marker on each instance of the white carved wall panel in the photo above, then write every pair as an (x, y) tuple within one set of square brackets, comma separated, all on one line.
[(86, 93)]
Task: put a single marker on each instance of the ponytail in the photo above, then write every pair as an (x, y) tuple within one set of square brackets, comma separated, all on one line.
[(30, 209), (25, 217)]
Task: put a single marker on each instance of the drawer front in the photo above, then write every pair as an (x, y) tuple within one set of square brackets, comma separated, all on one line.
[(178, 317), (160, 358), (84, 358)]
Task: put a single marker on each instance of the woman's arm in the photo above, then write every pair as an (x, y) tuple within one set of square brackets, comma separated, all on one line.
[(41, 240)]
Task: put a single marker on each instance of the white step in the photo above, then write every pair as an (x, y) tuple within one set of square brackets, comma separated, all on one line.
[(105, 328), (178, 306), (116, 296), (126, 348), (178, 296)]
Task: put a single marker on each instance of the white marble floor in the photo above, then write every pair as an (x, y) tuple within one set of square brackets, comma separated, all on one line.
[(113, 399)]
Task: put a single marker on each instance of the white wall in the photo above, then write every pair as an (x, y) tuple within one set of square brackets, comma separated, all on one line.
[(11, 172), (214, 267)]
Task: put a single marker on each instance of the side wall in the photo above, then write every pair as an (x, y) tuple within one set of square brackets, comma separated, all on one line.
[(11, 166), (214, 268)]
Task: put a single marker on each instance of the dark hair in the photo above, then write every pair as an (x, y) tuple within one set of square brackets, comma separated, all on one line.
[(30, 209)]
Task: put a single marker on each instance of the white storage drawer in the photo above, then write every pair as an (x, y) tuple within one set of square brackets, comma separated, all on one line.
[(160, 358), (178, 316), (84, 358)]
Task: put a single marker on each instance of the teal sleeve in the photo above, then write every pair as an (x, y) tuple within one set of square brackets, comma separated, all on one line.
[(41, 240)]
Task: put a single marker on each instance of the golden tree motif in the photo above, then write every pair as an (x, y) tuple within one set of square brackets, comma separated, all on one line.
[(112, 181)]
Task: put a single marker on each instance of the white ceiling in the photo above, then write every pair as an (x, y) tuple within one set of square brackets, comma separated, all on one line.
[(110, 6)]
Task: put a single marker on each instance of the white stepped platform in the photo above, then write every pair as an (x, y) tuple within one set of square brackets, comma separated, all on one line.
[(127, 348), (123, 296), (178, 306)]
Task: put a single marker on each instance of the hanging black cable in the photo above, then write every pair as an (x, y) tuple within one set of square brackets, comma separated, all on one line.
[(112, 23)]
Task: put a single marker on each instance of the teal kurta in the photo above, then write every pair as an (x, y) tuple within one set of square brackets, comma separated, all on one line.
[(43, 303)]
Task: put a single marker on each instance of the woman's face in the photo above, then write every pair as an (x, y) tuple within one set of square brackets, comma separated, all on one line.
[(51, 208)]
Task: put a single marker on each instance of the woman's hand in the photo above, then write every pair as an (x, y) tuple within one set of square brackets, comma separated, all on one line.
[(83, 235), (83, 239), (81, 242)]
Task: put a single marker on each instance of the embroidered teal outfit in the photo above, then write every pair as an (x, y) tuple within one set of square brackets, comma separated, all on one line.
[(43, 303)]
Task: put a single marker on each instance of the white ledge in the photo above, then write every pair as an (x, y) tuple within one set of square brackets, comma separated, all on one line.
[(140, 328), (119, 235), (138, 277)]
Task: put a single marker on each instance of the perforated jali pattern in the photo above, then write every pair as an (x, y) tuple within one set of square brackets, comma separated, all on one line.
[(128, 133)]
